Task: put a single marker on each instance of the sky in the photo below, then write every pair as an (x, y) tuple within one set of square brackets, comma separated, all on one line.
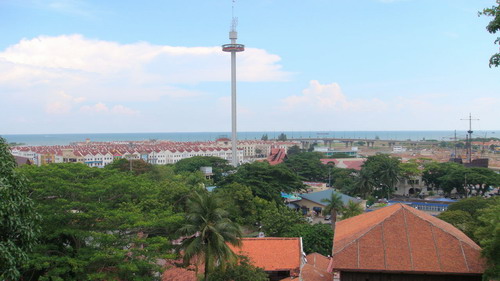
[(74, 66)]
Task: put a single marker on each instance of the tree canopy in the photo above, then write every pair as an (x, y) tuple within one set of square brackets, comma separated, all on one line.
[(98, 224), (209, 231), (493, 27), (265, 180), (19, 222)]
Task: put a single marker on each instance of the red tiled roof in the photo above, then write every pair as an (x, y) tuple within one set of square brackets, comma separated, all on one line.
[(316, 268), (277, 156), (318, 261), (271, 254), (403, 239)]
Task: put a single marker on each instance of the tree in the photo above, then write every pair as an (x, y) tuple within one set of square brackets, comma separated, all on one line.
[(266, 181), (239, 202), (333, 206), (316, 238), (98, 224), (278, 220), (243, 271), (385, 172), (351, 210), (365, 183), (488, 235), (308, 166), (264, 137), (137, 166), (193, 164), (293, 150), (282, 137), (209, 231), (461, 220), (343, 179), (493, 27), (18, 218)]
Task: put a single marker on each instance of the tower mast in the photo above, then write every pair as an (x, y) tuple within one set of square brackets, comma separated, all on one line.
[(469, 139), (233, 48)]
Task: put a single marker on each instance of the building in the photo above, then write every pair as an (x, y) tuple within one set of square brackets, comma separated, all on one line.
[(313, 201), (279, 257), (401, 243)]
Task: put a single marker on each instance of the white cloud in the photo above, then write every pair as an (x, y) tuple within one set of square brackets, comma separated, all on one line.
[(329, 97), (57, 73), (103, 108)]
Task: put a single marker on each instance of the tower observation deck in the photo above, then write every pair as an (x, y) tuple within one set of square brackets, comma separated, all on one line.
[(233, 48)]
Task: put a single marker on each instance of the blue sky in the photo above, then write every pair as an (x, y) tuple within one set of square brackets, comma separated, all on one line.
[(71, 66)]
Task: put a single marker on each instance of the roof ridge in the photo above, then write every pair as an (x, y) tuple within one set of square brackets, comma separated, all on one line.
[(418, 214), (368, 230)]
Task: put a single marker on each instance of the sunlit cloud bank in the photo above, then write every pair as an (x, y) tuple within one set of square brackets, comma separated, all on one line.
[(71, 73), (327, 107)]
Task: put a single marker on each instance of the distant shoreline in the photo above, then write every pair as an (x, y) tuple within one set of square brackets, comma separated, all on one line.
[(64, 139)]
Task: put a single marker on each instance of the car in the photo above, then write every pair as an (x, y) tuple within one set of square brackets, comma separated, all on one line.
[(328, 217)]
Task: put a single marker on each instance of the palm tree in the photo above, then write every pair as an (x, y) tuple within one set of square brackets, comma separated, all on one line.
[(390, 174), (209, 231), (333, 206), (351, 210), (364, 183)]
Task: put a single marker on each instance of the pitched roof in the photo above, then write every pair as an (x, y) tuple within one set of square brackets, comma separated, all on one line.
[(316, 197), (270, 253), (316, 268), (403, 239), (277, 156)]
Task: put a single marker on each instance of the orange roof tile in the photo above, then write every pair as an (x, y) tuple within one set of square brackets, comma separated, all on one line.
[(271, 254), (401, 238), (316, 268)]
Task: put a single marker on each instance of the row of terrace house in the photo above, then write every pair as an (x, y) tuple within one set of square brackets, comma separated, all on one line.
[(102, 154)]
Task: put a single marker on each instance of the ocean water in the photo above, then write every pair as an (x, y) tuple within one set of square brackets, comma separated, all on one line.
[(64, 139)]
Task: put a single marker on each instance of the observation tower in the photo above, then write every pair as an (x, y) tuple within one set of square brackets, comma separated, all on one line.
[(233, 48)]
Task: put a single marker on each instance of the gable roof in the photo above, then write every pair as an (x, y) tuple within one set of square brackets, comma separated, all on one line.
[(316, 197), (403, 239), (272, 254)]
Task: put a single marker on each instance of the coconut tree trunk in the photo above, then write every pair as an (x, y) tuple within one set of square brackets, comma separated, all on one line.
[(207, 264), (334, 221)]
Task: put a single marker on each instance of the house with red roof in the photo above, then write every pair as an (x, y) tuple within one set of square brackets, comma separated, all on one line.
[(280, 257), (399, 242)]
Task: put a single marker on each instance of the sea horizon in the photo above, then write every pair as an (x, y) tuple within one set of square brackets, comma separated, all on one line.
[(414, 135)]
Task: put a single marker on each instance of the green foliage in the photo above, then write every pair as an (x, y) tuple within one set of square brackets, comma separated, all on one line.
[(365, 183), (238, 201), (344, 179), (243, 271), (488, 234), (470, 205), (136, 166), (193, 164), (316, 238), (282, 137), (334, 205), (493, 27), (352, 209), (98, 224), (307, 165), (18, 218), (293, 150), (209, 230), (264, 137), (266, 181), (461, 220), (447, 176), (384, 171), (278, 220)]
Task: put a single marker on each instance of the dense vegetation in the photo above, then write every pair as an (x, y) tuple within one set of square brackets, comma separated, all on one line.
[(116, 223)]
